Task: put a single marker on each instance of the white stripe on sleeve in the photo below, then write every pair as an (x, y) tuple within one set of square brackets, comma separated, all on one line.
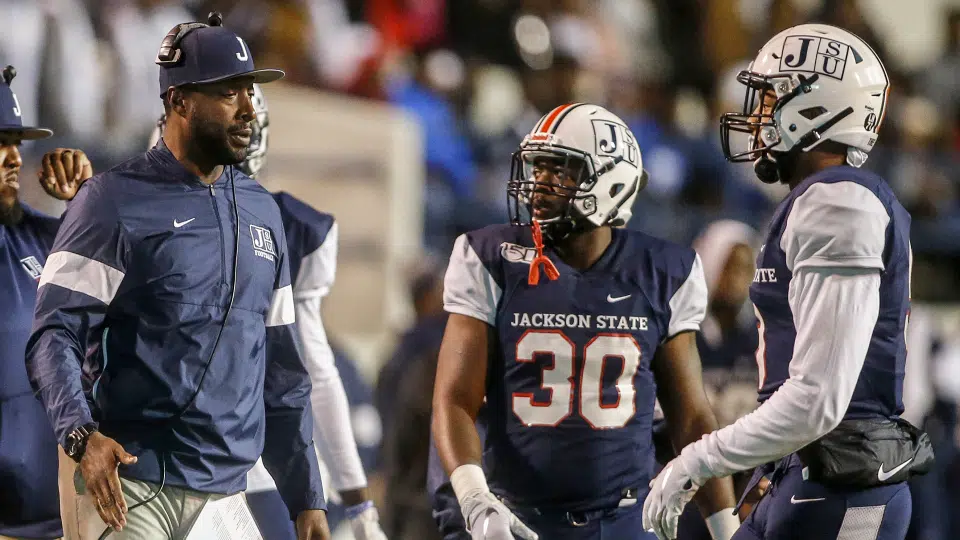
[(468, 288), (318, 269), (688, 305), (281, 307), (83, 275)]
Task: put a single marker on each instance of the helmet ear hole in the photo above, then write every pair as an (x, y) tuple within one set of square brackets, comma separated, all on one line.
[(812, 112), (616, 189)]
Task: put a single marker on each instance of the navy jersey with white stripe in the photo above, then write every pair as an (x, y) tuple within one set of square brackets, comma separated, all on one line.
[(29, 505), (570, 391), (312, 268), (841, 217), (132, 301)]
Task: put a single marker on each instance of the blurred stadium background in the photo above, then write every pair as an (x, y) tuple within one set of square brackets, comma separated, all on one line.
[(399, 117)]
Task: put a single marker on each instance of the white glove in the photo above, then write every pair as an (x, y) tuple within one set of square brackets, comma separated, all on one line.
[(365, 522), (489, 519), (670, 492)]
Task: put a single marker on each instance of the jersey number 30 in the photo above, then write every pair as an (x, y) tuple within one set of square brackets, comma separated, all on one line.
[(558, 379)]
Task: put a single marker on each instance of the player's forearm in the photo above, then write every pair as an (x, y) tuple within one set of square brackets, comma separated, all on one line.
[(333, 432), (353, 497), (455, 433), (717, 494), (835, 315)]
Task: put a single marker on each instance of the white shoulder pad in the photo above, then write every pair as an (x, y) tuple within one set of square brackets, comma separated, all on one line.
[(842, 224), (688, 305), (318, 269), (468, 288)]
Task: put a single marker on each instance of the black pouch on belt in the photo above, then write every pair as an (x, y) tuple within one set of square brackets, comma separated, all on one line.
[(866, 453)]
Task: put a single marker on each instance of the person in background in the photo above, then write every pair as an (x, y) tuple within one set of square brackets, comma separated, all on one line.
[(403, 398), (29, 505)]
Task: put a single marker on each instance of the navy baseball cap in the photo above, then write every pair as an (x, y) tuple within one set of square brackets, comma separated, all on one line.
[(196, 53), (11, 121)]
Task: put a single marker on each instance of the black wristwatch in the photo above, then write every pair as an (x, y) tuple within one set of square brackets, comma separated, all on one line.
[(77, 441)]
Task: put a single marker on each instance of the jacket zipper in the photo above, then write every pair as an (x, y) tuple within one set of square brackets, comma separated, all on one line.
[(223, 253)]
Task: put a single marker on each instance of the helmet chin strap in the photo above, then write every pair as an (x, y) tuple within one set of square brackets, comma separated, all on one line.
[(767, 168), (771, 166)]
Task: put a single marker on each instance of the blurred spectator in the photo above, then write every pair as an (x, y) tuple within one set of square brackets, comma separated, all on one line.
[(404, 397), (426, 296), (728, 337), (134, 31)]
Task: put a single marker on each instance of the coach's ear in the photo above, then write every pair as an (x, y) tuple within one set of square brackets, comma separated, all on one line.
[(175, 97)]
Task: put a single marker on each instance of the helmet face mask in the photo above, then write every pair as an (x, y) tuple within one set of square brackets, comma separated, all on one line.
[(579, 168), (758, 123), (545, 183)]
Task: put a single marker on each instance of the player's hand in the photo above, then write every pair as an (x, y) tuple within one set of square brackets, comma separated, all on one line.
[(489, 519), (312, 525), (98, 466), (63, 171), (670, 492), (365, 522)]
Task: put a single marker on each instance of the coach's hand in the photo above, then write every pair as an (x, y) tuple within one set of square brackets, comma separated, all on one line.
[(63, 171), (98, 466), (312, 525)]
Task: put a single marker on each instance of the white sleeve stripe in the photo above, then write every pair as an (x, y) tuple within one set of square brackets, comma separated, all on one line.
[(281, 307), (83, 275), (688, 305), (318, 269), (468, 287)]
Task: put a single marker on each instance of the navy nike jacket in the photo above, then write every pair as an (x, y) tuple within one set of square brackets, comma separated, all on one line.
[(130, 304)]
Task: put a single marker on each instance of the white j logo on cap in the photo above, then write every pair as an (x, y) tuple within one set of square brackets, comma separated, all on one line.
[(242, 55), (16, 105)]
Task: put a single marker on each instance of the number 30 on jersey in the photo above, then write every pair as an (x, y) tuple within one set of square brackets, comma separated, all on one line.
[(558, 379)]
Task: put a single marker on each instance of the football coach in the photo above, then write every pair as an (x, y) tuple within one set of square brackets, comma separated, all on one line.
[(163, 343)]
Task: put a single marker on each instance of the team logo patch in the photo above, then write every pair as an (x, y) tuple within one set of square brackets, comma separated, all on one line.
[(32, 266), (517, 254), (263, 245), (614, 140), (815, 55)]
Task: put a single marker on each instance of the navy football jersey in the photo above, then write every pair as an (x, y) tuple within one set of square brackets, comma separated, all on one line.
[(29, 505), (312, 240), (841, 217), (570, 391)]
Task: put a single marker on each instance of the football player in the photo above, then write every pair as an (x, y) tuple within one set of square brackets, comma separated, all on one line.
[(569, 327), (312, 250), (832, 297)]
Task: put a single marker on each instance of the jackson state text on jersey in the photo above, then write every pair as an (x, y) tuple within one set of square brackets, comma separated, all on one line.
[(839, 217), (570, 392)]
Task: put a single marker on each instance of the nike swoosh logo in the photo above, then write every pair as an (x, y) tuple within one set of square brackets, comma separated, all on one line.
[(795, 500), (179, 224), (612, 299), (883, 476)]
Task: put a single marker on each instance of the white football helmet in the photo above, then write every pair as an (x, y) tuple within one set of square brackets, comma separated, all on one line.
[(259, 139), (598, 142), (829, 86)]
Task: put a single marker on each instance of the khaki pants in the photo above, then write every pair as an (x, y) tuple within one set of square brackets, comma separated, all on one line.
[(167, 517)]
